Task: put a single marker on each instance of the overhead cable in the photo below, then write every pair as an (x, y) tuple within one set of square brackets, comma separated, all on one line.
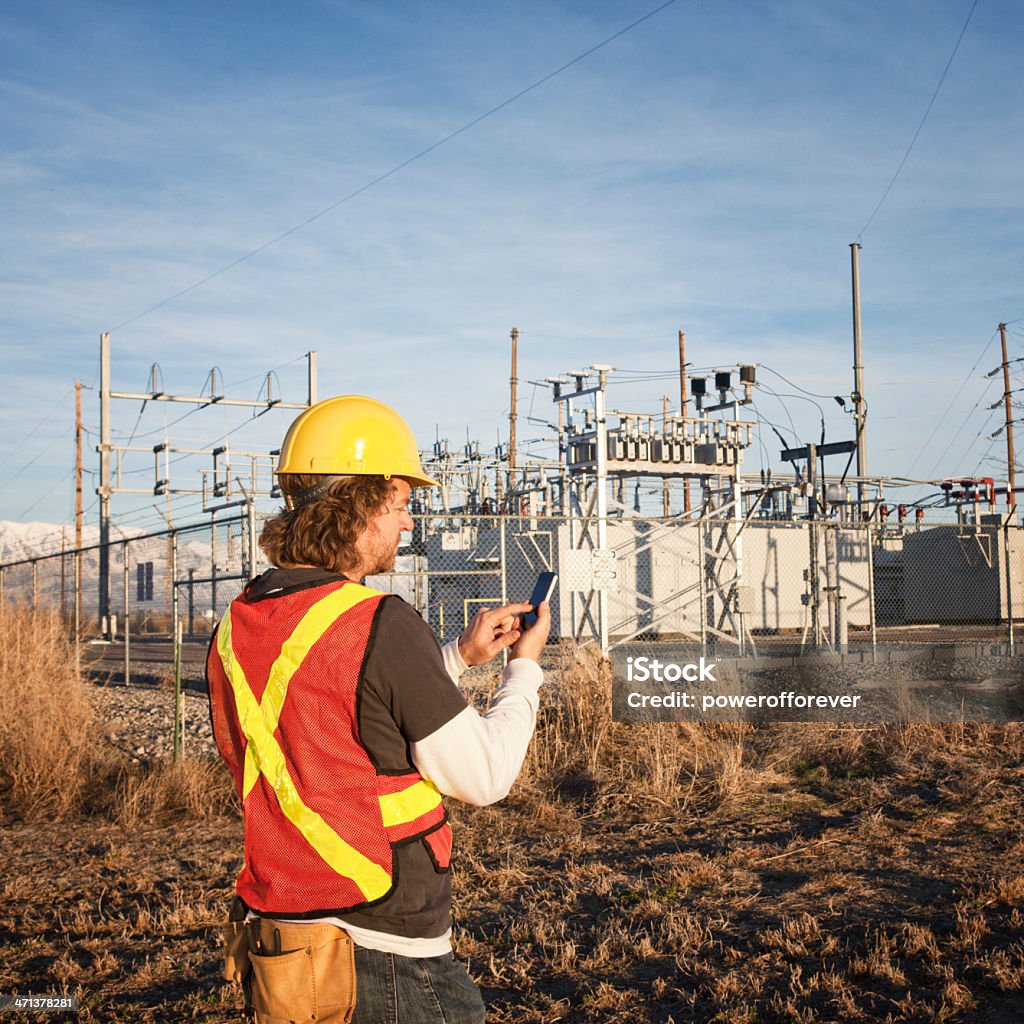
[(398, 167), (952, 402), (928, 110)]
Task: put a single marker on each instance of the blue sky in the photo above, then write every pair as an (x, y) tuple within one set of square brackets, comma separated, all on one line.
[(706, 171)]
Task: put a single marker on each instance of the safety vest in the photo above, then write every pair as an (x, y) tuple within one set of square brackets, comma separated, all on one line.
[(321, 823)]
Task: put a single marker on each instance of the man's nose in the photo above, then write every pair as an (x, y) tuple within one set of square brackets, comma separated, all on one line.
[(406, 521)]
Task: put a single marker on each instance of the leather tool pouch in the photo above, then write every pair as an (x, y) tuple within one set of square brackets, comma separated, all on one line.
[(302, 972), (236, 943)]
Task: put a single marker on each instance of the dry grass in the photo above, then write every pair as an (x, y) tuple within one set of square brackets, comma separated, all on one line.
[(191, 789), (54, 762), (648, 874), (49, 756)]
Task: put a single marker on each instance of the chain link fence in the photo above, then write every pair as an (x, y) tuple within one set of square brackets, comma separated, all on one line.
[(753, 591)]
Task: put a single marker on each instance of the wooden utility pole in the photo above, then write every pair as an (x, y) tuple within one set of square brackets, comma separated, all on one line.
[(513, 381), (682, 409), (1011, 498), (78, 501)]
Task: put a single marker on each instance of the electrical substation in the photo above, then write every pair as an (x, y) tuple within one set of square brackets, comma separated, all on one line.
[(657, 531)]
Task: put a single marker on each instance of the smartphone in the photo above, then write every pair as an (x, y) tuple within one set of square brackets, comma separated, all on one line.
[(541, 592)]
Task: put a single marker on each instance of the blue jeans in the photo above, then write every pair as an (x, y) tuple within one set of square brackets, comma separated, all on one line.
[(392, 989)]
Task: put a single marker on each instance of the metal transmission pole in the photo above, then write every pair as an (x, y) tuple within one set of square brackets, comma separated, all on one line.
[(513, 381), (163, 486), (858, 383), (78, 504), (664, 479), (1011, 498), (104, 489), (311, 376), (601, 424), (682, 408)]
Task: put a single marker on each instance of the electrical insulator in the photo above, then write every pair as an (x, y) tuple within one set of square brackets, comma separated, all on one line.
[(901, 512), (883, 511), (919, 515), (723, 380), (748, 375), (698, 386)]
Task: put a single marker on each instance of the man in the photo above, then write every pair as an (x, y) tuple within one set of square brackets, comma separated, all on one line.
[(336, 711)]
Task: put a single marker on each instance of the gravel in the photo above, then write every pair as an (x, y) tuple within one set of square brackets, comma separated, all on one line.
[(139, 721)]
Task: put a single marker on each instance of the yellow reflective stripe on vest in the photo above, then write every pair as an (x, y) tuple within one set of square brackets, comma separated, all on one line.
[(317, 620), (412, 803), (265, 756)]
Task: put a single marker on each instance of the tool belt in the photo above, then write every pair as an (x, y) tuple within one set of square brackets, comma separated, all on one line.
[(291, 972)]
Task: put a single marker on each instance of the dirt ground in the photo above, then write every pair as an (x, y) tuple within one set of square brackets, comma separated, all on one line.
[(874, 877)]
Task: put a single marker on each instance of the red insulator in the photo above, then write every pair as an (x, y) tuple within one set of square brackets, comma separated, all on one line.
[(901, 511)]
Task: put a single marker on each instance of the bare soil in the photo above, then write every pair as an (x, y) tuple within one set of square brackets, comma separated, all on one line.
[(788, 874)]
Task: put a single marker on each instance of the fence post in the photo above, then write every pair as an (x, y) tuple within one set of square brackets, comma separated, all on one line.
[(873, 619), (250, 519), (124, 610), (35, 585), (78, 610), (702, 569), (179, 730), (504, 578), (832, 580), (176, 635), (213, 570), (1009, 583)]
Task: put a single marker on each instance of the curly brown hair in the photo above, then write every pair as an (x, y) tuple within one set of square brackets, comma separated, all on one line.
[(324, 532)]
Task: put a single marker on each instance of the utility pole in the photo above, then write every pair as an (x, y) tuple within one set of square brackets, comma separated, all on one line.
[(664, 479), (858, 382), (601, 437), (682, 409), (513, 381), (78, 505), (1011, 498), (103, 610), (311, 376)]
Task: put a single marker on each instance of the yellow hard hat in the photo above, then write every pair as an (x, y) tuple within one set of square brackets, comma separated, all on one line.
[(352, 435)]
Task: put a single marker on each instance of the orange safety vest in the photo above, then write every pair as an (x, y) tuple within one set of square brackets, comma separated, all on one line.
[(321, 822)]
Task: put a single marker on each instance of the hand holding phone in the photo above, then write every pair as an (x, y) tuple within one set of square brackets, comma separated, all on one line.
[(542, 591), (536, 625)]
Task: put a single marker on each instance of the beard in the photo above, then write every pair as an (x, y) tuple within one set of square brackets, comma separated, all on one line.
[(380, 554)]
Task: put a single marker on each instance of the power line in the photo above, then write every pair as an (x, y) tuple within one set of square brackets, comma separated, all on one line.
[(47, 494), (813, 394), (984, 426), (35, 458), (931, 103), (398, 167), (46, 419), (952, 440), (942, 418)]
